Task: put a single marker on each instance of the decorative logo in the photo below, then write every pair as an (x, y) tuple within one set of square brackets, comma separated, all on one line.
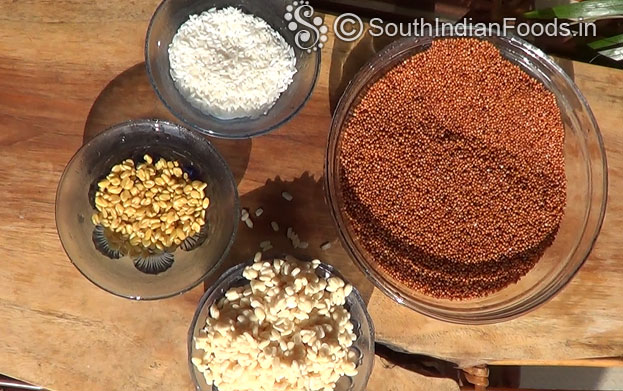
[(348, 27), (309, 36)]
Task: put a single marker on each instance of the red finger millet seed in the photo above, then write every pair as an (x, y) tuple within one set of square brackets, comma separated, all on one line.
[(452, 170)]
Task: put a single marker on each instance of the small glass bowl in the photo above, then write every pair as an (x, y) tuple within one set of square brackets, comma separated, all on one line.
[(167, 19), (180, 270), (363, 326), (587, 183)]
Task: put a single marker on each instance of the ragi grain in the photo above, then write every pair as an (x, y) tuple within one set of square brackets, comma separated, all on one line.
[(452, 170)]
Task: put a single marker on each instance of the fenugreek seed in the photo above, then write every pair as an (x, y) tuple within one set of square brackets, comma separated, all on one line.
[(103, 183), (117, 168), (177, 172), (274, 226), (148, 159), (206, 203), (127, 183), (95, 219), (125, 195), (149, 205)]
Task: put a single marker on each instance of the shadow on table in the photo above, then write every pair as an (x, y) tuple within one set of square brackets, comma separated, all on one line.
[(307, 214), (130, 96)]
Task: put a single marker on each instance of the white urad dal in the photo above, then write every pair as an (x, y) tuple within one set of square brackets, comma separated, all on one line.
[(230, 64), (287, 330)]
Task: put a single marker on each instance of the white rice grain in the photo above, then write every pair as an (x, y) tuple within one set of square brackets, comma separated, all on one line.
[(230, 64), (249, 222)]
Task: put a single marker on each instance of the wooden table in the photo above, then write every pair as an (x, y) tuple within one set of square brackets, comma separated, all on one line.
[(69, 69)]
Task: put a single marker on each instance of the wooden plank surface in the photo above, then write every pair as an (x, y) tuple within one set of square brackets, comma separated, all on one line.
[(70, 68)]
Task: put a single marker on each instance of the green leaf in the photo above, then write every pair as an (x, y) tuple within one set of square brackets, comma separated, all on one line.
[(589, 9), (616, 54), (605, 42)]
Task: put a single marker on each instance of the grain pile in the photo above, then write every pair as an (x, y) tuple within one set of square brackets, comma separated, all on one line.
[(286, 330), (153, 206), (452, 170), (230, 64)]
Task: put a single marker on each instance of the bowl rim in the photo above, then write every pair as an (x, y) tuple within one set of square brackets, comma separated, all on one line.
[(494, 315), (204, 130), (198, 137), (235, 269)]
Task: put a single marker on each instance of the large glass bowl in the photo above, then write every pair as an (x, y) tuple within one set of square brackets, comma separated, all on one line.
[(171, 14), (363, 326), (586, 173), (74, 208)]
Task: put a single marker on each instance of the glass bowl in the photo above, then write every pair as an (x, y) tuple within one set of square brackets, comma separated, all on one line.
[(586, 173), (363, 327), (179, 270), (171, 14)]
